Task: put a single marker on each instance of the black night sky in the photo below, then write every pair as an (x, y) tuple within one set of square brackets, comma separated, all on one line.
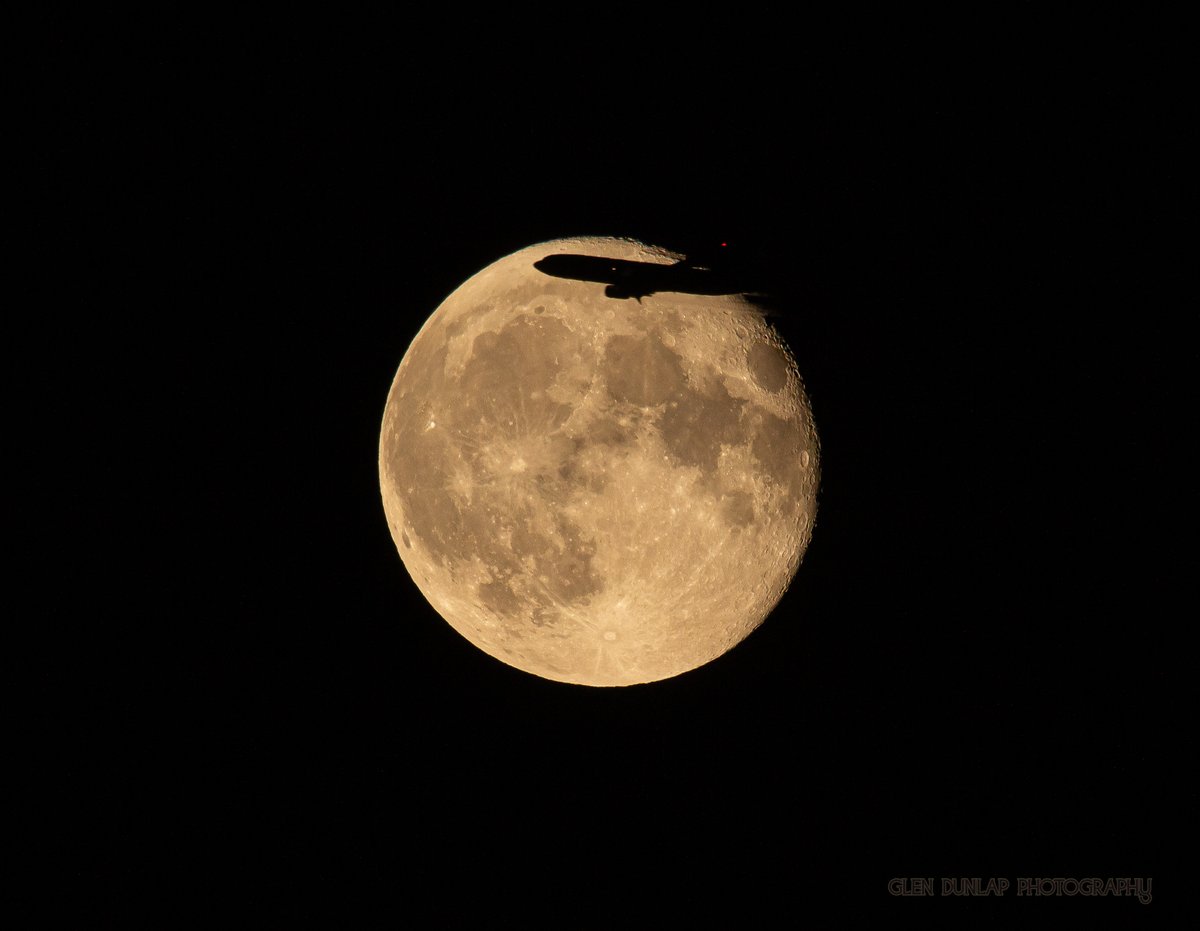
[(257, 713)]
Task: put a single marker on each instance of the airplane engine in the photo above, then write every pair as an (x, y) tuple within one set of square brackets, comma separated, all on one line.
[(615, 290)]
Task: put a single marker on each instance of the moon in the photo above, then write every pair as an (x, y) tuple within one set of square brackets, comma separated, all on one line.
[(594, 490)]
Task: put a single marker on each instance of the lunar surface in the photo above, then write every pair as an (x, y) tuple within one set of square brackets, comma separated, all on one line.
[(597, 490)]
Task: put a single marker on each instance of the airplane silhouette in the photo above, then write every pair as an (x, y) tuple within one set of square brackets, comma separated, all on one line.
[(626, 279)]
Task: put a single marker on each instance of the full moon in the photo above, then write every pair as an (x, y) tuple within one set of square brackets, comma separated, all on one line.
[(592, 489)]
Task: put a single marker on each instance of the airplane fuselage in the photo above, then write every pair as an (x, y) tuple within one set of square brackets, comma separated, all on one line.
[(625, 279)]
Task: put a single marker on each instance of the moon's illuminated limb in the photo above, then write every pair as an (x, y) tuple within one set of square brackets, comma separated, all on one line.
[(595, 490)]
